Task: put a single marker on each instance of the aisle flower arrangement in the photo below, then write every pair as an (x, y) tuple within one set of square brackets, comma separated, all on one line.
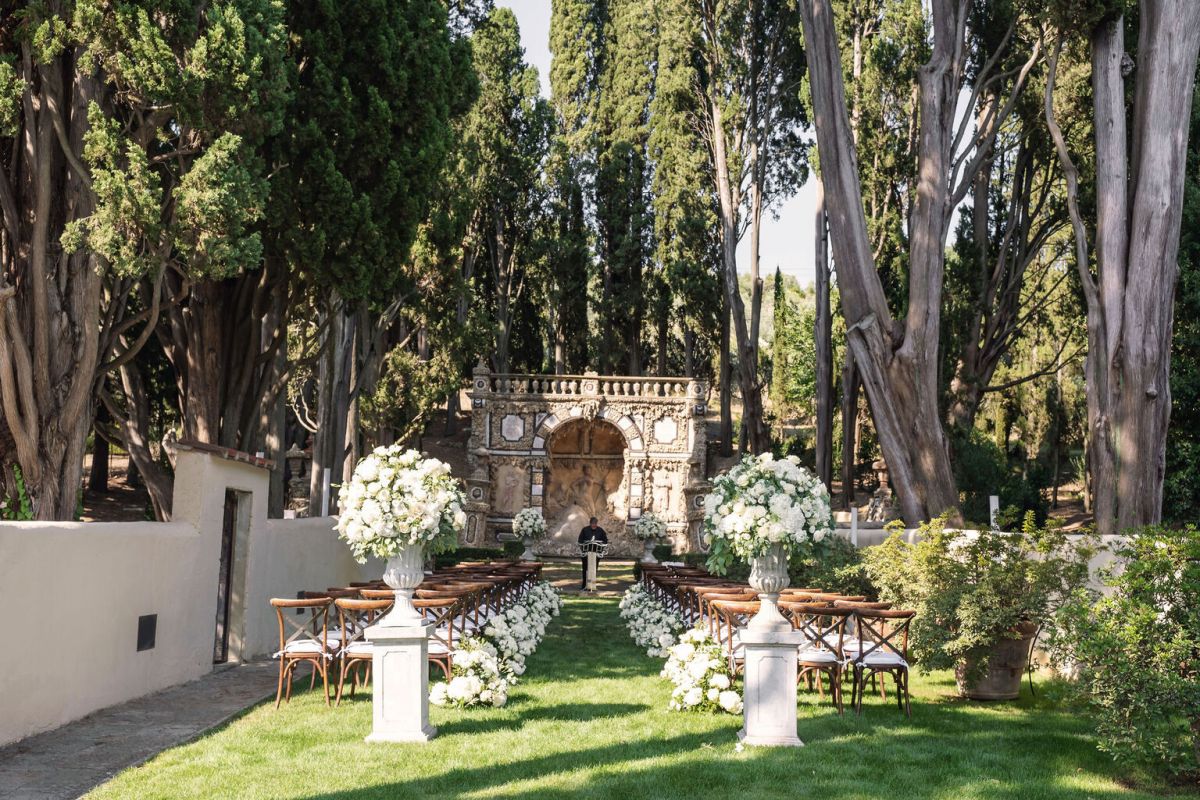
[(486, 664), (649, 527), (652, 625), (698, 669), (397, 498), (763, 502), (529, 524), (517, 631), (475, 679)]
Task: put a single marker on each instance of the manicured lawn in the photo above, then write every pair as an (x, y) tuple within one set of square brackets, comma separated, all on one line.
[(589, 720)]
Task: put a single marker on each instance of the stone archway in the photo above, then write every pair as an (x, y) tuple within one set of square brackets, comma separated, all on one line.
[(585, 476)]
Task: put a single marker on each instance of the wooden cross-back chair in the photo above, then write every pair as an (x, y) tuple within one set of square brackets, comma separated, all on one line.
[(697, 598), (440, 612), (354, 617), (731, 615), (824, 631), (882, 649), (708, 613), (307, 643), (850, 648)]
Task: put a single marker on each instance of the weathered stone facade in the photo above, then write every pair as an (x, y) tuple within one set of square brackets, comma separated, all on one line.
[(582, 445)]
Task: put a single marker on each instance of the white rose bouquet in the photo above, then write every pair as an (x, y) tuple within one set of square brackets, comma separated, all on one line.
[(698, 669), (398, 498), (761, 502), (529, 524), (648, 527)]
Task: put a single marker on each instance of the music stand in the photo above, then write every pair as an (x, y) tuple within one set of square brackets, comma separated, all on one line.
[(592, 551)]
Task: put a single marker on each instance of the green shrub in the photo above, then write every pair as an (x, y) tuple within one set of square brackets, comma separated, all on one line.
[(17, 508), (971, 589), (514, 549), (982, 469), (836, 566), (662, 552), (1136, 652), (469, 554)]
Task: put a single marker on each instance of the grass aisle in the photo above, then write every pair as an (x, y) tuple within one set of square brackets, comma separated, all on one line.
[(589, 720)]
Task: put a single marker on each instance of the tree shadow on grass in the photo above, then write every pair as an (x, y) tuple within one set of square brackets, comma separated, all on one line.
[(992, 763), (564, 712)]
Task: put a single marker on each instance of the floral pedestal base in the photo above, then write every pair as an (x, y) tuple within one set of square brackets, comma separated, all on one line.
[(528, 555), (770, 680), (400, 672), (648, 553)]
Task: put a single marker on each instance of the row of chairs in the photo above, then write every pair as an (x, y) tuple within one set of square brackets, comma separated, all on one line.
[(331, 631), (844, 635)]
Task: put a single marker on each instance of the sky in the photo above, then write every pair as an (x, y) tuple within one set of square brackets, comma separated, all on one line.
[(787, 238)]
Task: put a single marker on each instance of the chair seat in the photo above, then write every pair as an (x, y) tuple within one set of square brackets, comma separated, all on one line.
[(303, 647), (814, 656), (882, 659), (358, 649), (438, 648)]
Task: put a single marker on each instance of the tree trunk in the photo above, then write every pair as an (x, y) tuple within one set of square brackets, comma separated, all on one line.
[(823, 342), (724, 378), (849, 429), (898, 360), (1139, 206)]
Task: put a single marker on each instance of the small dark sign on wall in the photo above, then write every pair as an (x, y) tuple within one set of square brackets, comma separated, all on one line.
[(147, 628)]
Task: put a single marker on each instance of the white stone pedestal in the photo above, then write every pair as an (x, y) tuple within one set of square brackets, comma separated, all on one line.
[(400, 677), (769, 713)]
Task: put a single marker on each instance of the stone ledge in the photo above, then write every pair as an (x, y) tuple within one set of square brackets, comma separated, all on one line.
[(227, 453)]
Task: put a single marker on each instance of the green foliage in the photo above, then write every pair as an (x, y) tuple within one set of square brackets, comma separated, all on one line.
[(1181, 483), (18, 507), (408, 390), (971, 589), (1137, 652), (11, 89), (513, 549), (982, 469), (835, 566), (461, 554)]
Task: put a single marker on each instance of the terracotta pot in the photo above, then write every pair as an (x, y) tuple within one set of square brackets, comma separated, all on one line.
[(1005, 668)]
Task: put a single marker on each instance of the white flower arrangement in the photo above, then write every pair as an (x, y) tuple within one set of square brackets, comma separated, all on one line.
[(529, 524), (648, 527), (488, 663), (475, 678), (698, 669), (764, 501), (398, 498), (651, 624)]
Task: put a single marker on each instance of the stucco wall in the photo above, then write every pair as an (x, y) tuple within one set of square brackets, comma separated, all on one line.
[(72, 594)]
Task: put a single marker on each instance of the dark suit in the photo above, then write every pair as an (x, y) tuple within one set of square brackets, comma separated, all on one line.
[(590, 534)]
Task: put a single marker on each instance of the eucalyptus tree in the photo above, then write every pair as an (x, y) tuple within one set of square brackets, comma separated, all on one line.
[(897, 357), (750, 66), (1140, 164)]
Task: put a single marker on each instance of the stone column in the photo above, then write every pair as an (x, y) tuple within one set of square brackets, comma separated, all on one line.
[(400, 691), (770, 680)]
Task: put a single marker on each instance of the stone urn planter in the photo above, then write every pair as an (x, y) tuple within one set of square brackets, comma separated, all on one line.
[(528, 555), (769, 577), (403, 574), (648, 553), (1006, 664)]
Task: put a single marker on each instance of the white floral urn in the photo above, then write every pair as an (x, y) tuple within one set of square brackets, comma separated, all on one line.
[(769, 577), (528, 555), (403, 574)]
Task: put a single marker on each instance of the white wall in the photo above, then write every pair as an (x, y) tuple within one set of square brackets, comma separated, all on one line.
[(72, 593), (287, 556)]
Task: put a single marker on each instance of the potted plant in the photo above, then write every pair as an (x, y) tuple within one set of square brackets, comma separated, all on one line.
[(762, 511), (980, 597), (529, 526), (400, 505), (649, 529)]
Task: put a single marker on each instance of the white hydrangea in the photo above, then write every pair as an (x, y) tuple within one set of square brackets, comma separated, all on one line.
[(697, 668), (765, 501), (650, 624), (649, 526), (397, 498), (529, 524), (475, 677)]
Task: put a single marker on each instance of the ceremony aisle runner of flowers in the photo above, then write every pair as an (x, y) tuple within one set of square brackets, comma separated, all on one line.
[(487, 663)]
